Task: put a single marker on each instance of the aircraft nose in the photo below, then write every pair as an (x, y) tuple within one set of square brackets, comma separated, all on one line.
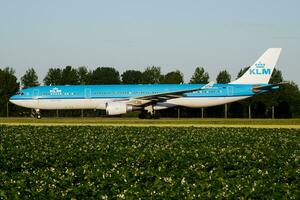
[(17, 101), (13, 99)]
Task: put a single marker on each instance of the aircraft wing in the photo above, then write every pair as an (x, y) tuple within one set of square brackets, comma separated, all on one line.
[(267, 87), (148, 99)]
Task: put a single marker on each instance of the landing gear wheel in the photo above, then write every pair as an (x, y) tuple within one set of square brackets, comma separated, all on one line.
[(148, 116), (142, 116), (156, 115), (39, 116)]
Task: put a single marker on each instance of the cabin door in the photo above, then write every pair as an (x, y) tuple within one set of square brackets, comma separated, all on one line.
[(230, 91), (88, 93), (35, 94)]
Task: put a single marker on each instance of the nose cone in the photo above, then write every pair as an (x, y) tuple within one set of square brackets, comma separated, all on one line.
[(13, 99)]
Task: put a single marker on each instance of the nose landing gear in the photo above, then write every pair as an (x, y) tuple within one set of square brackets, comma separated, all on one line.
[(36, 113), (38, 116)]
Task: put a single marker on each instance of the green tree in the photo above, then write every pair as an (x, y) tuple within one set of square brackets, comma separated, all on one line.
[(84, 76), (69, 76), (223, 77), (29, 79), (200, 76), (288, 101), (276, 77), (105, 75), (8, 87), (53, 77), (152, 75), (132, 77), (173, 77), (242, 71)]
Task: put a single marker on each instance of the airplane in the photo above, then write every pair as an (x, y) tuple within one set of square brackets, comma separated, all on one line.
[(149, 98)]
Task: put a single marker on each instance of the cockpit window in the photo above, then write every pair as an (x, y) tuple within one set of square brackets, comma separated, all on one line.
[(20, 93)]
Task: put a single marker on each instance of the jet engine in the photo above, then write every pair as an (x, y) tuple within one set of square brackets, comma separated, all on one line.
[(117, 108)]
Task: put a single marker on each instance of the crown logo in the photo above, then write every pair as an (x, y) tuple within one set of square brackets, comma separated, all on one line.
[(260, 65), (55, 90)]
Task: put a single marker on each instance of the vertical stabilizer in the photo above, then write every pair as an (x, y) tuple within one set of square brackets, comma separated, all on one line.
[(260, 72)]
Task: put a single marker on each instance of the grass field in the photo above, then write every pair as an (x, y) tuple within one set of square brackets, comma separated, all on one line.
[(112, 162), (213, 122)]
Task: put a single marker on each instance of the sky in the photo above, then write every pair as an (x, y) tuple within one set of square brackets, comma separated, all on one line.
[(134, 34)]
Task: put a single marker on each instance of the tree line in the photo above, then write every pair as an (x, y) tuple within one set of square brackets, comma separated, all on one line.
[(284, 103)]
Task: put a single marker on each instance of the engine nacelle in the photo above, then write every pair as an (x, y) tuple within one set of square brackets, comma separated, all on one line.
[(117, 108)]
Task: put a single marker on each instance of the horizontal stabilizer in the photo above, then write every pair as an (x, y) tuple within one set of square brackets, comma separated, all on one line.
[(267, 87)]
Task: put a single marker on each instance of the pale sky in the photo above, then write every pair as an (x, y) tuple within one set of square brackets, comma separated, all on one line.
[(134, 34)]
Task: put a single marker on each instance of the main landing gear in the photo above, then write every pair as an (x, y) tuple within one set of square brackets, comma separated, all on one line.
[(148, 115), (36, 113)]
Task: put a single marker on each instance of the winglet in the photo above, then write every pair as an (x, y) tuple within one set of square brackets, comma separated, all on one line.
[(260, 72)]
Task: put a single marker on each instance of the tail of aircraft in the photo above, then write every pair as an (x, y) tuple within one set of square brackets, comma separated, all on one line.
[(260, 72)]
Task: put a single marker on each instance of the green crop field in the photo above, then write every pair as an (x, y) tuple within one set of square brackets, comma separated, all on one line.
[(103, 162)]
